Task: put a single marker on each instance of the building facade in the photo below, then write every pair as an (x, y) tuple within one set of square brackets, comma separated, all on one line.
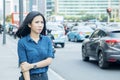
[(65, 7), (84, 7)]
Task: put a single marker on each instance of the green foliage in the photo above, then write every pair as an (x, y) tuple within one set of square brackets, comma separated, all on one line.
[(72, 18), (88, 17), (117, 20), (103, 18), (9, 18)]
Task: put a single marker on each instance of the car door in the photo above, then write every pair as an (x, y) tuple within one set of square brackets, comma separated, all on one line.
[(73, 33), (93, 43)]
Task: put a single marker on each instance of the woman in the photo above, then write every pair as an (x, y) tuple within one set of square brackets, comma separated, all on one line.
[(34, 48)]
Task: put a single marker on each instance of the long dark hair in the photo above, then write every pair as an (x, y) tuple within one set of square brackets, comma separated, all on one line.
[(24, 30)]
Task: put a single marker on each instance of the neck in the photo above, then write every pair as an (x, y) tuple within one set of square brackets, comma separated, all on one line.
[(35, 37)]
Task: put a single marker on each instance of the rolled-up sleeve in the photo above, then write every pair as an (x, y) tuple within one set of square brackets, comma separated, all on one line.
[(21, 52), (50, 49)]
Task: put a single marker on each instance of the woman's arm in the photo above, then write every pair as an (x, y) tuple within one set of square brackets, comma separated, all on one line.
[(25, 67), (42, 63), (26, 75)]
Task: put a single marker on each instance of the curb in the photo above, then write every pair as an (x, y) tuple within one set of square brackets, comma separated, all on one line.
[(55, 75)]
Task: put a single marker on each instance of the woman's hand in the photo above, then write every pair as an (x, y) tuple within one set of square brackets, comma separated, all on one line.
[(25, 66)]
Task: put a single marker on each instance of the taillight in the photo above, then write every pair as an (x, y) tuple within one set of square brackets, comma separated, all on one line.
[(80, 32), (112, 42)]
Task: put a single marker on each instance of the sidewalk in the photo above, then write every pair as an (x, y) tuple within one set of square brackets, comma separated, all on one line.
[(9, 61)]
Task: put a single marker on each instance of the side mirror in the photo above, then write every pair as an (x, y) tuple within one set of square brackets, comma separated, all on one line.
[(87, 36)]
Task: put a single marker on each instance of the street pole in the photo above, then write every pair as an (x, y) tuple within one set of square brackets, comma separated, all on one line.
[(109, 6), (20, 11), (4, 31), (30, 5), (119, 10)]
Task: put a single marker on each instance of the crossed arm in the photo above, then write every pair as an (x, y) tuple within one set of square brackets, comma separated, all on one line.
[(25, 67)]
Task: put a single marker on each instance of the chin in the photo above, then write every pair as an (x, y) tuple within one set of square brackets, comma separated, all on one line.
[(38, 32)]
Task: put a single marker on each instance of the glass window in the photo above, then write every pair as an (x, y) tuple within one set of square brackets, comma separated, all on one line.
[(102, 34), (95, 34), (74, 29), (115, 34)]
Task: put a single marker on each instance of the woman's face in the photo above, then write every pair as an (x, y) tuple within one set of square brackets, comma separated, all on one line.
[(37, 25)]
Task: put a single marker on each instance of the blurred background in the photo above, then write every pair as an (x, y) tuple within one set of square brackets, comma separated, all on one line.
[(69, 24)]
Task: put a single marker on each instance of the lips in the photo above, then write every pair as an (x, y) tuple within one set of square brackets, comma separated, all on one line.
[(39, 30)]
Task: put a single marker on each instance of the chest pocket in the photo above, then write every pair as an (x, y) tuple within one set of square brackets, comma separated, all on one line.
[(43, 52)]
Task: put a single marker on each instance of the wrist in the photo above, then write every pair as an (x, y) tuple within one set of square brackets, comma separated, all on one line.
[(33, 66)]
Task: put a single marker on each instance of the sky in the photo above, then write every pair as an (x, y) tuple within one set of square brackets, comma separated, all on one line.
[(1, 7), (1, 4)]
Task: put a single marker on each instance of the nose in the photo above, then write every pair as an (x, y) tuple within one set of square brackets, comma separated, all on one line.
[(41, 24)]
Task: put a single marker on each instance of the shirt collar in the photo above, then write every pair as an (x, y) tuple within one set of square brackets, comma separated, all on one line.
[(30, 39)]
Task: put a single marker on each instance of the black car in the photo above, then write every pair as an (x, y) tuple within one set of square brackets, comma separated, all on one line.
[(102, 45)]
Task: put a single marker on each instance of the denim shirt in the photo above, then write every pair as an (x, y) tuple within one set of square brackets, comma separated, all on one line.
[(32, 52)]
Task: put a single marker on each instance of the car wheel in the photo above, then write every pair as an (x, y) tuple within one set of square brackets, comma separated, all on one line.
[(101, 61), (84, 57), (62, 45), (75, 39), (55, 45), (69, 38)]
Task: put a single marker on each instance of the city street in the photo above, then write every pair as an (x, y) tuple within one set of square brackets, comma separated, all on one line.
[(67, 64), (67, 23)]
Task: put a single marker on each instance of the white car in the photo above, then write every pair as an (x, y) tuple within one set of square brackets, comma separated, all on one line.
[(57, 30)]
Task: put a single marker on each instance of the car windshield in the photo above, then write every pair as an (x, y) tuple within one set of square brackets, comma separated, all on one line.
[(115, 34), (55, 27), (85, 29)]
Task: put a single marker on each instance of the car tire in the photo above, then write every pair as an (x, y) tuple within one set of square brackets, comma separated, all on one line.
[(101, 61), (69, 38), (84, 57), (63, 45), (55, 45), (75, 39)]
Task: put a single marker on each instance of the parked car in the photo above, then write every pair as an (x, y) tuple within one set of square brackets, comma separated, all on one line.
[(78, 33), (52, 38), (113, 24), (103, 45), (58, 32), (1, 28), (11, 29), (15, 28)]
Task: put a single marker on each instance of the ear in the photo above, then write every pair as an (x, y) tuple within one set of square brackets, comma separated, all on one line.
[(29, 25)]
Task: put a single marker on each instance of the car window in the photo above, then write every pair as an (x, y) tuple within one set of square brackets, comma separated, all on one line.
[(55, 27), (102, 34), (95, 34), (85, 29), (74, 29), (115, 34)]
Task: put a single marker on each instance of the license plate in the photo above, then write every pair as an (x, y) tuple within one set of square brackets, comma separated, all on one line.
[(87, 33), (55, 35)]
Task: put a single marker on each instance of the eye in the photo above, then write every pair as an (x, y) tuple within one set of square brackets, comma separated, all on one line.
[(42, 22), (37, 22)]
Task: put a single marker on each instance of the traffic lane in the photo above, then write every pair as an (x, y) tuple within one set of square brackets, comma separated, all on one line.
[(68, 63)]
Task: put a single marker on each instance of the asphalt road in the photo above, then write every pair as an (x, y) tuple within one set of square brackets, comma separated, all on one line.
[(68, 64)]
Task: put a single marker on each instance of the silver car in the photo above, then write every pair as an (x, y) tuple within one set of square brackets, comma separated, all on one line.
[(58, 32)]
